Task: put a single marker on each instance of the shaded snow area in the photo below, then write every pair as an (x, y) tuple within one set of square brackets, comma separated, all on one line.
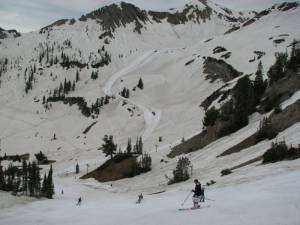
[(169, 58)]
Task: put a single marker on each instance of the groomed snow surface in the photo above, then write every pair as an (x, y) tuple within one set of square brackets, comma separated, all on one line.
[(274, 200)]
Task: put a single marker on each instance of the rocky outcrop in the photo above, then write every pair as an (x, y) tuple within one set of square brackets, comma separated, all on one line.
[(8, 33), (219, 69), (113, 16)]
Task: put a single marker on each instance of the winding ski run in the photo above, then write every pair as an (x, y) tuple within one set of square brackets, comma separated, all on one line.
[(151, 115)]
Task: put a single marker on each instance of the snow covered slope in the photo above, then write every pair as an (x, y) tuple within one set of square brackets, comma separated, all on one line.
[(167, 50)]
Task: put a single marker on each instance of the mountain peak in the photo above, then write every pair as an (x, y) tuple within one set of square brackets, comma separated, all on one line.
[(116, 15)]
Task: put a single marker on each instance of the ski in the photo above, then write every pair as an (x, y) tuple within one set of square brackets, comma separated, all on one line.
[(192, 208)]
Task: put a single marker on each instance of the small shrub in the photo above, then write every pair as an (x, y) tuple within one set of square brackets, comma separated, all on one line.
[(277, 109), (277, 152), (266, 131), (209, 183), (226, 172)]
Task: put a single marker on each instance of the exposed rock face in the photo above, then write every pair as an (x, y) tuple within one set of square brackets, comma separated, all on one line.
[(6, 33), (116, 15), (113, 16), (191, 12), (57, 23), (219, 69)]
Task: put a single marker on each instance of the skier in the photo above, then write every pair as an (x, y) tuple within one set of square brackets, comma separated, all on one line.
[(197, 194), (79, 201), (62, 191), (202, 197), (140, 198)]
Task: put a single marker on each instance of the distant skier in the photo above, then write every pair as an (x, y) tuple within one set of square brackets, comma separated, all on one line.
[(197, 194), (79, 201), (62, 191), (140, 198)]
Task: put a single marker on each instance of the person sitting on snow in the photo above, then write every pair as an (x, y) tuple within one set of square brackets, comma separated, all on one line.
[(197, 193)]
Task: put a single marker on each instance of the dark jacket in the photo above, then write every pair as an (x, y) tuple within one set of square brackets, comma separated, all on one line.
[(198, 190)]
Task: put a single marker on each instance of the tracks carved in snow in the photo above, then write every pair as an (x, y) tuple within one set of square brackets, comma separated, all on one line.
[(151, 115)]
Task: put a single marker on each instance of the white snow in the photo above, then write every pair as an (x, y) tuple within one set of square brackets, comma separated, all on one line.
[(168, 107)]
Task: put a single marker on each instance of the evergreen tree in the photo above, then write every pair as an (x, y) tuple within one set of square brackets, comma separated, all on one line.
[(266, 130), (2, 179), (50, 185), (140, 84), (277, 71), (109, 148), (73, 86), (31, 180), (259, 84), (210, 117), (145, 163), (140, 145), (181, 172), (77, 168), (25, 177), (77, 76), (60, 90), (44, 186), (37, 179), (94, 75), (129, 147), (292, 64), (243, 95)]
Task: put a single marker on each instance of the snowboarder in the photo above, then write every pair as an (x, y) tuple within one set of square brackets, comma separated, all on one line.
[(79, 201), (140, 198), (197, 194)]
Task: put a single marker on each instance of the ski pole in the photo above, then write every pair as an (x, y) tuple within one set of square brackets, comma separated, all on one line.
[(209, 199), (187, 197)]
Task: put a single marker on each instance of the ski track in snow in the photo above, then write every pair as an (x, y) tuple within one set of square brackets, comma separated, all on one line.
[(151, 115)]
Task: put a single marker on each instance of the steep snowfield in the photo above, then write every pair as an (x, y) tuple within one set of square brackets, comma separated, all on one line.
[(167, 107)]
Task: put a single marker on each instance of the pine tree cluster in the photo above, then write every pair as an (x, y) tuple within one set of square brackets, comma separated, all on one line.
[(137, 148), (182, 171), (27, 180), (93, 110), (94, 75), (280, 151), (125, 93), (29, 81), (284, 62)]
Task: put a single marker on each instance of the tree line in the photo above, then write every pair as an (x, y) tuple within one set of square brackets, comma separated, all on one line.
[(26, 180)]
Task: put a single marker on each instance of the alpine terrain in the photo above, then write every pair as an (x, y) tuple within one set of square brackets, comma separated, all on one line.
[(126, 102)]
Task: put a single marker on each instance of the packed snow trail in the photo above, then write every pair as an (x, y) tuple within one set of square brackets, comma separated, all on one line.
[(151, 115), (139, 62)]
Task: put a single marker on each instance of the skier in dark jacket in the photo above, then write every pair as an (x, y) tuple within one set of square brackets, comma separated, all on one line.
[(79, 201), (140, 198), (197, 193)]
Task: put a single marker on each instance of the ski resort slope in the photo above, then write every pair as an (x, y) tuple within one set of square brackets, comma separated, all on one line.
[(257, 203), (151, 116), (167, 107)]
